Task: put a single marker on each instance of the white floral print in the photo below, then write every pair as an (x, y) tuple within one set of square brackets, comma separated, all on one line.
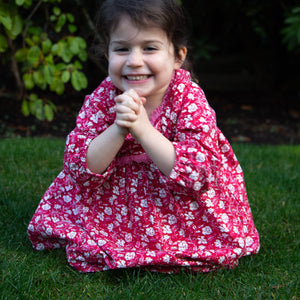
[(134, 216)]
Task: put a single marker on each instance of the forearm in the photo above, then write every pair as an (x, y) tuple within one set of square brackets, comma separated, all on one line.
[(104, 148), (131, 114), (159, 149)]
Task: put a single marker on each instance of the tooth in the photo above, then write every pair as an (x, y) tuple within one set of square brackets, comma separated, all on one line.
[(137, 77)]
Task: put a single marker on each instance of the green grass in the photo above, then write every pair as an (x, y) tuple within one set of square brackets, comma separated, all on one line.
[(28, 166)]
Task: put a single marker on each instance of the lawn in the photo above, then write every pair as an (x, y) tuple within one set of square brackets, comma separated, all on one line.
[(27, 168)]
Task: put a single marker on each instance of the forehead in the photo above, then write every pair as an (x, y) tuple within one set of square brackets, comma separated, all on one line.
[(128, 30)]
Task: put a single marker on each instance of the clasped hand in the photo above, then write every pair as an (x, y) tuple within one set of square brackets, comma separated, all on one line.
[(130, 113)]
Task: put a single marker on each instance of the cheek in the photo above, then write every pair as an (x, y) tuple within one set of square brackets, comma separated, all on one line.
[(166, 61), (114, 65)]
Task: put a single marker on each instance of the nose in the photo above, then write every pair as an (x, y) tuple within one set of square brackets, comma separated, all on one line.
[(135, 58)]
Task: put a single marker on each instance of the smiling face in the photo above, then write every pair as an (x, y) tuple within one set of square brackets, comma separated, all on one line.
[(142, 59)]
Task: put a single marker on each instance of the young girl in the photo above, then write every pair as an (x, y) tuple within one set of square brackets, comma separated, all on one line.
[(149, 180)]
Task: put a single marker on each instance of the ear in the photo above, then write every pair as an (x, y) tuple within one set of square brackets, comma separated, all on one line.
[(180, 58), (106, 53)]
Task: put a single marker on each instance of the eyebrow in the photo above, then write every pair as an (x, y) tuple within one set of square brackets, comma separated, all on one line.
[(126, 42)]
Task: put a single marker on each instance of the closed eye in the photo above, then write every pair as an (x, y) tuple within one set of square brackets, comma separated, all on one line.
[(150, 48), (121, 49)]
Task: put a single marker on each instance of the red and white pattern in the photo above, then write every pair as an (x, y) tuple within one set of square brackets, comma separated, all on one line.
[(134, 216)]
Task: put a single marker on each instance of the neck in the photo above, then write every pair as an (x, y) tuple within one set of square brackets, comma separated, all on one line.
[(152, 104)]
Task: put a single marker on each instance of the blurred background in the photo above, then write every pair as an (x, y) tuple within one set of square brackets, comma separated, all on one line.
[(246, 57)]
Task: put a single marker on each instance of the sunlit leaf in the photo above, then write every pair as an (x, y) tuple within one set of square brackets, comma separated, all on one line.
[(49, 71), (66, 54), (46, 46), (78, 80), (55, 49), (83, 55), (28, 81), (60, 23), (49, 114), (39, 80), (75, 80), (78, 64), (65, 77), (49, 59), (27, 3), (81, 42), (71, 18), (33, 56), (37, 109), (72, 28), (57, 86), (60, 67), (6, 20), (33, 97), (74, 45), (16, 28), (25, 108), (53, 18), (36, 39), (56, 11), (84, 81), (20, 2)]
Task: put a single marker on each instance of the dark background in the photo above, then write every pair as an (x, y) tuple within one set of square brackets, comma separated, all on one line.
[(246, 71)]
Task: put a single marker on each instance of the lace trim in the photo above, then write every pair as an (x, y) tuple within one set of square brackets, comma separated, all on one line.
[(157, 111)]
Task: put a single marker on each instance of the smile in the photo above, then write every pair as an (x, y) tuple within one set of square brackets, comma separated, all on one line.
[(137, 78)]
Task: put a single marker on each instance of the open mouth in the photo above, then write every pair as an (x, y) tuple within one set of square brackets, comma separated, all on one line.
[(137, 78)]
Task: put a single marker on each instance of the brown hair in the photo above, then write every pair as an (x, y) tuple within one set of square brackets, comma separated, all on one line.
[(165, 14)]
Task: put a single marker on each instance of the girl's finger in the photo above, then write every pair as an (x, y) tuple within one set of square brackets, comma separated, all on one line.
[(123, 98), (127, 117), (126, 122), (126, 100), (139, 100), (133, 94), (119, 108), (143, 100)]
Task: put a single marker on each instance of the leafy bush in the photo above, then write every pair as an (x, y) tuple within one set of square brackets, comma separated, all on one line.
[(45, 53), (41, 41), (291, 31)]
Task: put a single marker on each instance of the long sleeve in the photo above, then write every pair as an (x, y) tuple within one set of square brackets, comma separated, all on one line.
[(201, 149), (95, 116), (207, 170)]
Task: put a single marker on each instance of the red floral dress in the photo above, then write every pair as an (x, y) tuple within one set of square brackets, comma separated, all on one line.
[(134, 216)]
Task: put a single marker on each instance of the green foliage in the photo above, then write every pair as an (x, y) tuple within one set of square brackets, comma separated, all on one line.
[(37, 107), (47, 62), (11, 21), (41, 40), (228, 26), (204, 49), (291, 31)]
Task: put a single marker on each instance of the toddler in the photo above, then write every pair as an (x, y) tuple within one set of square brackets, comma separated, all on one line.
[(149, 180)]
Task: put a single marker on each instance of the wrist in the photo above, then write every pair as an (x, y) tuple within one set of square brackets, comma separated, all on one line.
[(142, 133), (122, 131)]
